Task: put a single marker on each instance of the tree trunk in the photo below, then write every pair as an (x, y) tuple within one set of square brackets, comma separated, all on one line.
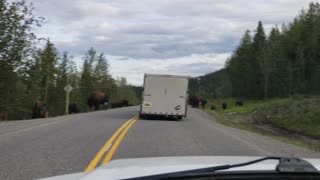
[(266, 86)]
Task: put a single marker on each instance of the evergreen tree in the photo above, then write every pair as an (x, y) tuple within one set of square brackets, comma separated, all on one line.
[(270, 56), (257, 63), (87, 80), (124, 91), (239, 67), (16, 22), (48, 65), (63, 72)]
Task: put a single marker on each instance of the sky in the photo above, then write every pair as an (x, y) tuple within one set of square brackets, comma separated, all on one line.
[(184, 37)]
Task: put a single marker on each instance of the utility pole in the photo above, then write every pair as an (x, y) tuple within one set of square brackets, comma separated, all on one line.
[(199, 88)]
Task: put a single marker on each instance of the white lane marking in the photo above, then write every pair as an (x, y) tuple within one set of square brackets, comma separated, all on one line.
[(107, 149)]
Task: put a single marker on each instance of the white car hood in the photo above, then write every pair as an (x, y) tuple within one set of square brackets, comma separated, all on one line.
[(130, 168)]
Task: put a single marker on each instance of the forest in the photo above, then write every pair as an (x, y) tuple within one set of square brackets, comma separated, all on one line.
[(32, 68), (282, 63)]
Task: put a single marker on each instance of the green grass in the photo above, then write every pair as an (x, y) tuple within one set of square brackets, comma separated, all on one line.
[(220, 117), (223, 120), (290, 113), (304, 123), (249, 105)]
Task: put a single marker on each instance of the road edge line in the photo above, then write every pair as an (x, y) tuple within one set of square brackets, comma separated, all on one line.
[(118, 141), (100, 153)]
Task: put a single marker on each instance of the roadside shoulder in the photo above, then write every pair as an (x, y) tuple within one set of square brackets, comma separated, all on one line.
[(224, 120)]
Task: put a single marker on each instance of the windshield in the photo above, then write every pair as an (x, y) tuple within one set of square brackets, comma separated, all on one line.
[(86, 83)]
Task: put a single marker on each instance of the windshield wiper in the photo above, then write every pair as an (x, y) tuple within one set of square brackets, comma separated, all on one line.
[(285, 165)]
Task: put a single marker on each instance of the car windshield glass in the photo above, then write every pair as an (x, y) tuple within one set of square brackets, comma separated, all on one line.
[(124, 88)]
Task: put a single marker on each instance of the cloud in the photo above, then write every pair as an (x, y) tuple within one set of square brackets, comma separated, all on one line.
[(159, 31), (97, 8), (194, 65)]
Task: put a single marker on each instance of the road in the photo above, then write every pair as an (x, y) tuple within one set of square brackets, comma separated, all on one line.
[(39, 148)]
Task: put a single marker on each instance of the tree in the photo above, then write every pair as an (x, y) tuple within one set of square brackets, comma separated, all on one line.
[(16, 38), (87, 81), (63, 78), (311, 21), (124, 91), (269, 57), (257, 63), (28, 73), (33, 80), (48, 61), (281, 65), (240, 68), (101, 74)]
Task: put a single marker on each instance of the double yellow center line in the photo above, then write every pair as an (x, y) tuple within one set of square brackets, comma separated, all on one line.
[(111, 145)]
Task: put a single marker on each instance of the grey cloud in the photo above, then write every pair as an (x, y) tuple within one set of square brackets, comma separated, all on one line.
[(195, 68), (162, 29), (58, 11), (158, 40)]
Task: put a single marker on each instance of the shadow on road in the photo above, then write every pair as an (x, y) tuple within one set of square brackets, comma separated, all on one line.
[(159, 118)]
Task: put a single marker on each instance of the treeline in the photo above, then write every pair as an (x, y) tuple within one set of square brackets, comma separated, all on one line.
[(213, 85), (284, 63), (29, 73)]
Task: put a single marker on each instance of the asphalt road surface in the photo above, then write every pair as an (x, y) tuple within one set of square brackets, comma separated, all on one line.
[(32, 149)]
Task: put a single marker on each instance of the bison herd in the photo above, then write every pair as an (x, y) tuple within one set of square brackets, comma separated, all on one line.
[(197, 101), (95, 101)]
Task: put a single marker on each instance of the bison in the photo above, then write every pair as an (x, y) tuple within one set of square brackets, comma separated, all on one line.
[(203, 103), (73, 108), (3, 115), (122, 103), (239, 102), (213, 107), (37, 110), (224, 105), (96, 98), (194, 101)]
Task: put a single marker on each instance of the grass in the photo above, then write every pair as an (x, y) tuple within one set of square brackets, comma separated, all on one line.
[(305, 123), (293, 114), (250, 105), (223, 120)]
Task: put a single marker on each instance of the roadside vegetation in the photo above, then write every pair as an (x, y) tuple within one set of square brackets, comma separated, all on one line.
[(276, 75), (295, 120), (32, 69), (280, 64)]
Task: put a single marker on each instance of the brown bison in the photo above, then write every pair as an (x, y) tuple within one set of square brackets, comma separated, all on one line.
[(96, 98), (3, 116), (203, 103), (122, 103), (37, 110), (224, 105), (239, 102), (194, 101), (73, 108)]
